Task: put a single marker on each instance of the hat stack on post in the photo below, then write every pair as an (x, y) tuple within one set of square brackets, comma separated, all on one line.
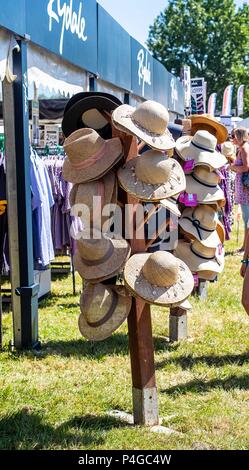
[(159, 278), (89, 165), (203, 235)]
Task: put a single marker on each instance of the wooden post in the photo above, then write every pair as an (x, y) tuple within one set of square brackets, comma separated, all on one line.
[(178, 324), (145, 404)]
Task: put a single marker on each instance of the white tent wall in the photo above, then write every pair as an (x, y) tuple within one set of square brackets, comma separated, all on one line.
[(53, 77)]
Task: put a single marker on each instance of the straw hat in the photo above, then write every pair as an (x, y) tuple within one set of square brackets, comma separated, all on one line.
[(103, 310), (100, 258), (152, 176), (171, 205), (84, 195), (148, 122), (89, 156), (84, 110), (159, 278), (205, 184), (228, 150), (209, 123), (199, 257), (202, 223), (200, 148)]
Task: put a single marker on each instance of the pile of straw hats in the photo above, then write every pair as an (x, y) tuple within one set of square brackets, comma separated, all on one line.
[(159, 278), (92, 156), (203, 234)]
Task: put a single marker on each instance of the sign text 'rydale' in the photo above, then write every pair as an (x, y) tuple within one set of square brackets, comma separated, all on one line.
[(70, 20), (144, 72)]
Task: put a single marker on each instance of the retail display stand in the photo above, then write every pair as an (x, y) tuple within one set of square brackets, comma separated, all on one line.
[(145, 404)]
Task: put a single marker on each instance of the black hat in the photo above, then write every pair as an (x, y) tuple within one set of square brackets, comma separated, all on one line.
[(82, 110)]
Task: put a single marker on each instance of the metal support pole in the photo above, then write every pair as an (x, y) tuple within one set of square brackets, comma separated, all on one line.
[(24, 291), (178, 324), (92, 83)]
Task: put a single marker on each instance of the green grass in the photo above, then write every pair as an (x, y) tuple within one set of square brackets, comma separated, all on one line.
[(59, 398)]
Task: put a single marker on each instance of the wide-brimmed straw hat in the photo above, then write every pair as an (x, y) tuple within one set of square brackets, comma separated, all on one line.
[(202, 223), (148, 122), (85, 110), (103, 310), (199, 257), (205, 184), (89, 157), (209, 123), (159, 278), (92, 197), (102, 257), (152, 176), (202, 149)]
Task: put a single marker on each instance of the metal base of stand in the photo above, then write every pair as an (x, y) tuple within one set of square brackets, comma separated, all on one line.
[(178, 325), (145, 406), (202, 290)]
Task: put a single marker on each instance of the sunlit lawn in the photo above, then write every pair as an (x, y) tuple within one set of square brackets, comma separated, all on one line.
[(60, 398)]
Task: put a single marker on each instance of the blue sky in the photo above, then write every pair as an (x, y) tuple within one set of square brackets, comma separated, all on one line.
[(137, 15)]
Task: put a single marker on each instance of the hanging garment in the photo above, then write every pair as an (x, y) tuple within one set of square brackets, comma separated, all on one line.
[(4, 265), (42, 202)]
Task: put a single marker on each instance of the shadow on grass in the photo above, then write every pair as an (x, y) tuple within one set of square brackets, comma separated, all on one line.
[(200, 386), (25, 430), (52, 300), (188, 362)]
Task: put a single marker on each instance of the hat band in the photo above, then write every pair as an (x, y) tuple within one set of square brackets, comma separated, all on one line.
[(197, 224), (109, 313), (202, 182), (202, 148), (147, 131), (207, 258), (90, 161), (99, 261)]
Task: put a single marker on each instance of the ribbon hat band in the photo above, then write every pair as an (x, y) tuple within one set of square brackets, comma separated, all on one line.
[(91, 160)]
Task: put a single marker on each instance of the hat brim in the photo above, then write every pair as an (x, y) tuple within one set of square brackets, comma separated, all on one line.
[(151, 192), (204, 193), (113, 154), (194, 262), (80, 104), (171, 206), (163, 296), (210, 240), (109, 268), (120, 314), (122, 116), (221, 131), (187, 151)]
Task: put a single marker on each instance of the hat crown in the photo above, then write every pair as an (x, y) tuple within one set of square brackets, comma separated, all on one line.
[(205, 140), (227, 149), (83, 144), (153, 168), (205, 176), (152, 116), (207, 217), (94, 249), (97, 302), (161, 269)]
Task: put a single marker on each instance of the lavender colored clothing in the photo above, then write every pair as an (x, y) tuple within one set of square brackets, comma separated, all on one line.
[(241, 192), (227, 210), (42, 201)]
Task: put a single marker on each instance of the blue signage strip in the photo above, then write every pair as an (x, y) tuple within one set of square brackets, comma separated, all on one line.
[(67, 28), (161, 83), (175, 95), (141, 71), (12, 15), (114, 51)]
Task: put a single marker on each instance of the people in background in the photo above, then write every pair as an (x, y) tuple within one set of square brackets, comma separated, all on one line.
[(240, 138)]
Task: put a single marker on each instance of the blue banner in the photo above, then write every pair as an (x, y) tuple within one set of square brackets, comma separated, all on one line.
[(114, 51), (67, 28), (12, 16), (161, 83), (141, 71), (175, 95)]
